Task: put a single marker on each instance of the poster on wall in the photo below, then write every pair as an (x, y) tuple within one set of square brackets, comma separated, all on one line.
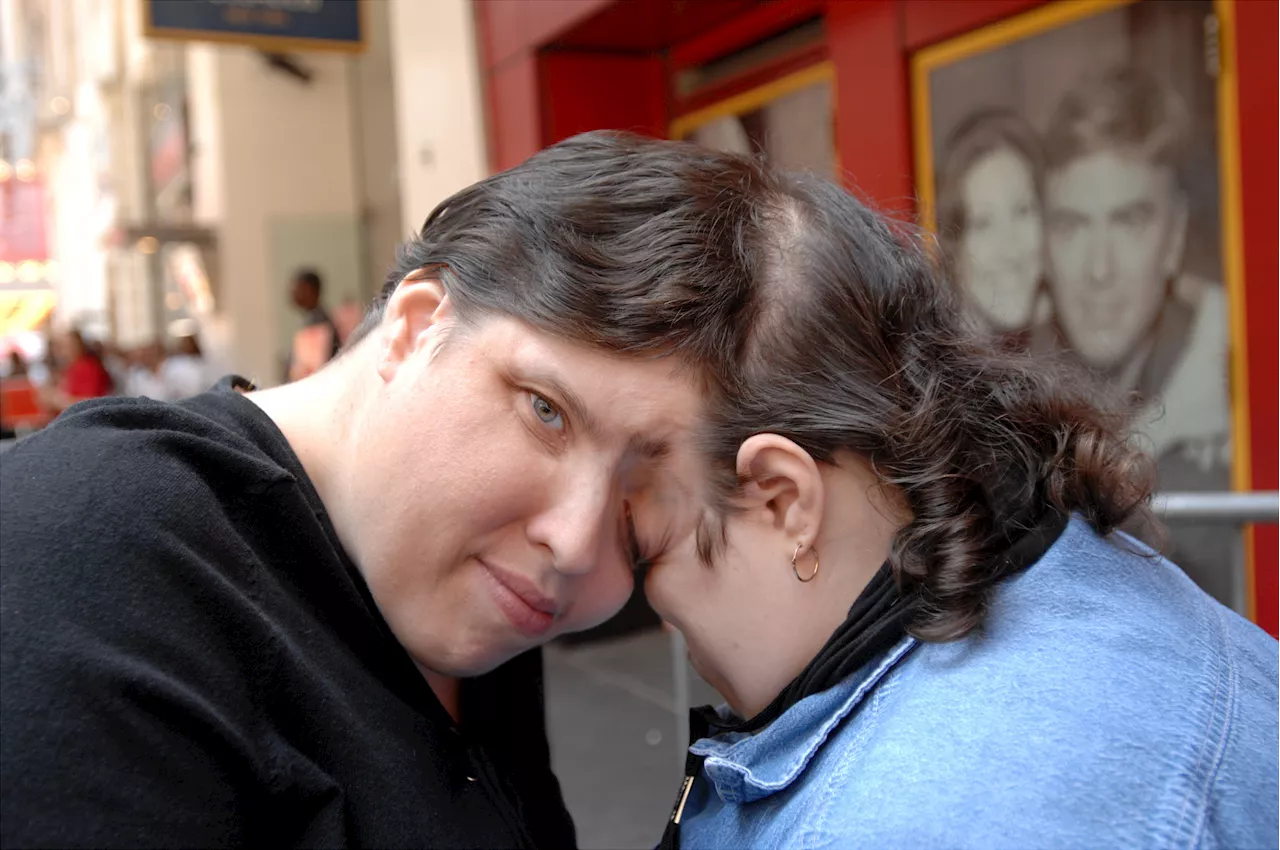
[(1068, 160)]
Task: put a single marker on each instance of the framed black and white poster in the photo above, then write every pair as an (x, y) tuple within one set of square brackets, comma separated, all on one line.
[(1077, 165)]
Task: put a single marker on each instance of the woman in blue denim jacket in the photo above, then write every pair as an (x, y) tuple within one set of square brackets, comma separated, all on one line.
[(909, 586)]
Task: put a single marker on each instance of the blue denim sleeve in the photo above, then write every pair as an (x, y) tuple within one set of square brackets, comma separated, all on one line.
[(1242, 806)]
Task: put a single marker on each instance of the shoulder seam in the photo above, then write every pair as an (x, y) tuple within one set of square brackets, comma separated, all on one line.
[(1193, 814)]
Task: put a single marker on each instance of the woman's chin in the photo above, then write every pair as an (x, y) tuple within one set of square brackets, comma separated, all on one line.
[(708, 674)]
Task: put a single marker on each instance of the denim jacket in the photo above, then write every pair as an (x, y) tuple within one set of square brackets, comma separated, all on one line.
[(1106, 702)]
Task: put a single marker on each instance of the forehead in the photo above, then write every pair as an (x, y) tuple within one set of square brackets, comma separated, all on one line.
[(1001, 174), (1108, 178), (1003, 162)]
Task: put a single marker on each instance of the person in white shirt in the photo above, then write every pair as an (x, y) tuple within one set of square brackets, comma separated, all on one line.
[(184, 373)]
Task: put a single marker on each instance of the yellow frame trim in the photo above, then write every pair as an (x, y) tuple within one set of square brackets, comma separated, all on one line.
[(752, 99), (262, 42), (1060, 14), (1229, 187)]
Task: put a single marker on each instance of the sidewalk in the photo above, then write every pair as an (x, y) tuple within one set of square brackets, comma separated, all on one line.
[(612, 723)]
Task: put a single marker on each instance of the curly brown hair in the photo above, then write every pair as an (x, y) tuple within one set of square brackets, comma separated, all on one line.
[(859, 345)]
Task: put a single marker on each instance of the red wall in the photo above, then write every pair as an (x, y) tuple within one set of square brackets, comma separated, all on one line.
[(865, 44), (510, 27), (515, 122), (537, 97), (1256, 62), (588, 90)]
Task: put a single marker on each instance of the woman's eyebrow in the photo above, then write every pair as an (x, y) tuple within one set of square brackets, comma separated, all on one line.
[(651, 448)]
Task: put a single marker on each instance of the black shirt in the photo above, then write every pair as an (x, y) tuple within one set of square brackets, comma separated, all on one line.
[(190, 659)]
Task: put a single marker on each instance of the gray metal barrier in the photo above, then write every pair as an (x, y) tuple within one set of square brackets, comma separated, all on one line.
[(1227, 508)]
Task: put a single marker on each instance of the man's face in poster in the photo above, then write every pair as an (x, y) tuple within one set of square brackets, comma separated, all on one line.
[(1116, 224)]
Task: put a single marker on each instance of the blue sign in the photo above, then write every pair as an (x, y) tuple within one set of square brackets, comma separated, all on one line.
[(269, 24)]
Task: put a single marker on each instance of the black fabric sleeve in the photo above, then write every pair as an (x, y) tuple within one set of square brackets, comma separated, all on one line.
[(125, 708)]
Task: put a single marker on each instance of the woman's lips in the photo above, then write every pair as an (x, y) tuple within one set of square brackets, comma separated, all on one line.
[(528, 609)]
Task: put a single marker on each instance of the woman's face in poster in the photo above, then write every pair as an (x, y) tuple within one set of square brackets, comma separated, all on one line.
[(1001, 256)]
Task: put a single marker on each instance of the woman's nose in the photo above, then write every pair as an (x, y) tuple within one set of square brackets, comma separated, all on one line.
[(577, 527)]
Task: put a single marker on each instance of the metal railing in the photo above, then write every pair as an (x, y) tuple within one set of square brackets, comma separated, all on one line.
[(1260, 506)]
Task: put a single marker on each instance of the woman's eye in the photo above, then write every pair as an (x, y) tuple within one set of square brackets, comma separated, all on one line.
[(546, 412)]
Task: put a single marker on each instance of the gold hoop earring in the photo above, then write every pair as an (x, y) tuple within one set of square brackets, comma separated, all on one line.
[(795, 569)]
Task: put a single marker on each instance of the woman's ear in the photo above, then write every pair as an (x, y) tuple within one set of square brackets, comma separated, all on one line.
[(783, 486), (418, 306)]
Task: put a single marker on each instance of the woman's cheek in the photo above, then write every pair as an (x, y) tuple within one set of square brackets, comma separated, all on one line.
[(601, 597)]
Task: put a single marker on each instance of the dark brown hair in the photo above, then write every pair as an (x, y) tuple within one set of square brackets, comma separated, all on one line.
[(609, 239), (807, 315)]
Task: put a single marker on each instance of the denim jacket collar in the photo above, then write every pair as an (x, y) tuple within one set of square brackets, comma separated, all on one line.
[(747, 767)]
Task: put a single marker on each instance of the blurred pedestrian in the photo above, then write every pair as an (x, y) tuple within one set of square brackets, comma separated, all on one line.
[(142, 368), (346, 318), (19, 399), (84, 375), (17, 365), (184, 373), (317, 341)]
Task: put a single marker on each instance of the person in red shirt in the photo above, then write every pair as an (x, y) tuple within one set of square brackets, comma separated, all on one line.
[(85, 376)]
